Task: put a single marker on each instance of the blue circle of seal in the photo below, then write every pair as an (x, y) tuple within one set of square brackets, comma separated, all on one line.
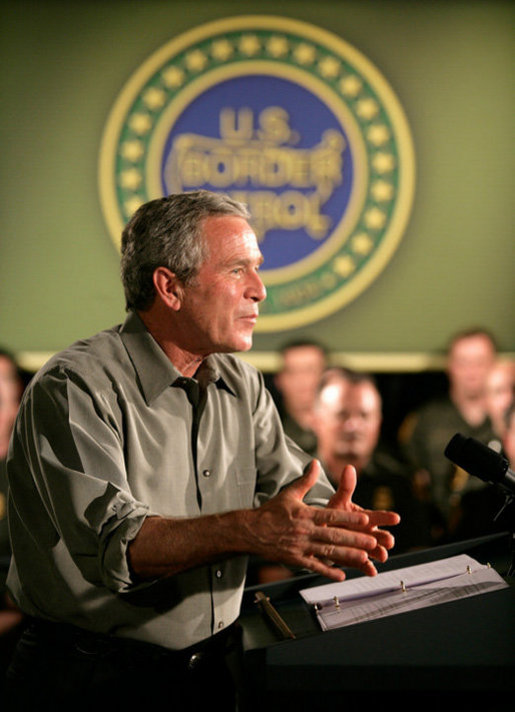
[(309, 118)]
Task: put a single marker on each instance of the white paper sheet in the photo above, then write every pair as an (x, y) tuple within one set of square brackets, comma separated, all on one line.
[(393, 592)]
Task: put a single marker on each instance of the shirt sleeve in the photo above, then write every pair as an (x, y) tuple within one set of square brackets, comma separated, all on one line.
[(67, 469), (279, 460)]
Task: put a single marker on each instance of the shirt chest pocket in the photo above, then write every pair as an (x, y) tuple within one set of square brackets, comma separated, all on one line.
[(245, 487)]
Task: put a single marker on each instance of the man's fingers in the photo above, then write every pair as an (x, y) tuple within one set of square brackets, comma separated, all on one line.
[(323, 539), (384, 538), (300, 487), (338, 518), (334, 537), (383, 518), (351, 557), (380, 554), (342, 499), (317, 566)]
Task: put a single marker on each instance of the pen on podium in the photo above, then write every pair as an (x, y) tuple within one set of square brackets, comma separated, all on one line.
[(273, 615)]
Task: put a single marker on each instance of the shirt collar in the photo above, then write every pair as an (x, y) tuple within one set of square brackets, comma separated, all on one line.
[(154, 369)]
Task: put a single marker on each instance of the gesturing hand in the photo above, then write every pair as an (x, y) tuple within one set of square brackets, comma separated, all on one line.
[(342, 500), (288, 530)]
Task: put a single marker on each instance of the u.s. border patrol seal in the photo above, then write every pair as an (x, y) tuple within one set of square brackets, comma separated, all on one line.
[(288, 118)]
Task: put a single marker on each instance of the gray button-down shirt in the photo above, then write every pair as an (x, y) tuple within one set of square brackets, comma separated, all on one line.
[(107, 435)]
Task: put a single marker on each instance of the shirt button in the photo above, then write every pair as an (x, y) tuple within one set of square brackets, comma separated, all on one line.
[(206, 473), (219, 573), (194, 660), (220, 625)]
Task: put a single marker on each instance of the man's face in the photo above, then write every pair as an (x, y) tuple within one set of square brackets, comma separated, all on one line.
[(509, 440), (499, 389), (470, 360), (10, 392), (348, 420), (300, 375), (220, 307)]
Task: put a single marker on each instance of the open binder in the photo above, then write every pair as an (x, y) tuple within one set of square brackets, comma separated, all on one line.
[(365, 599)]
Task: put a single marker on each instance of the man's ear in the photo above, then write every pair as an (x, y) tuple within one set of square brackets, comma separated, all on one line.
[(168, 288)]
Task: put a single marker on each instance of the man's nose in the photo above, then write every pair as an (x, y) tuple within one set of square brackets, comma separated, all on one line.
[(351, 423), (256, 289)]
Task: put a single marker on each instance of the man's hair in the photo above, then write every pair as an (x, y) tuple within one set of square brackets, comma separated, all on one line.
[(470, 334), (336, 374), (339, 374), (166, 232), (303, 343)]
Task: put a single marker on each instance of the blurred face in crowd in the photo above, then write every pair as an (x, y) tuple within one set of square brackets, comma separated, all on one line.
[(10, 392), (470, 360), (500, 382), (509, 439), (7, 370), (348, 421), (300, 374)]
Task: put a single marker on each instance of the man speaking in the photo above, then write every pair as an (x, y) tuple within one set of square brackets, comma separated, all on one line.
[(147, 462)]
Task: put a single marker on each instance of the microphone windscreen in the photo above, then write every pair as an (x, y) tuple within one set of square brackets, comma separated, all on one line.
[(476, 459)]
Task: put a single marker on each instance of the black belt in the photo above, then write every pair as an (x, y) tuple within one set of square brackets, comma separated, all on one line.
[(69, 637)]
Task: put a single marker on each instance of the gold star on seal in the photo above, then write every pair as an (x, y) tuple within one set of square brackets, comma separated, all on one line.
[(196, 60), (140, 123), (362, 244), (221, 50), (173, 77), (351, 86), (375, 218), (304, 53), (154, 98), (367, 108), (130, 179), (378, 134), (132, 204), (329, 67), (249, 45), (277, 46), (381, 190), (344, 266), (383, 162), (132, 150)]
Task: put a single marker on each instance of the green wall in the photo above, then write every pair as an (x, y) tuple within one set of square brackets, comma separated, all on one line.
[(451, 65)]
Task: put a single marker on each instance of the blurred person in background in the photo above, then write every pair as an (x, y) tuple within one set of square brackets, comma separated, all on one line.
[(509, 435), (463, 409), (500, 384), (302, 365), (347, 422), (487, 510), (11, 388)]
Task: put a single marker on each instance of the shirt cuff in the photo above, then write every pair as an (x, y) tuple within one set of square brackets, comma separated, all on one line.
[(125, 517)]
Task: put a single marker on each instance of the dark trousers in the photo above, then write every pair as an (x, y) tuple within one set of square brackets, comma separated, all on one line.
[(67, 668)]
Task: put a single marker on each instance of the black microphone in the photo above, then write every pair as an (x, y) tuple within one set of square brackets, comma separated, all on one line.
[(481, 461)]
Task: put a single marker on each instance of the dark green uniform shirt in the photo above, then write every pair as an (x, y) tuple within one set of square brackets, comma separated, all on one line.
[(433, 427)]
